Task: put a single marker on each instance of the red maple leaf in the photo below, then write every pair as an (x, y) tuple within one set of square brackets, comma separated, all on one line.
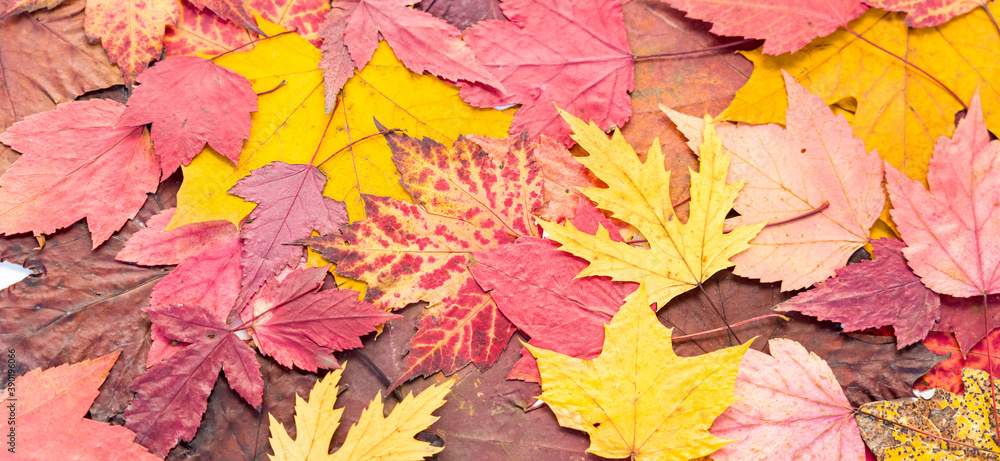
[(77, 161), (567, 53), (191, 101), (232, 10)]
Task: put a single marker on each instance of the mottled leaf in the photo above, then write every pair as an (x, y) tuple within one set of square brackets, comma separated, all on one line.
[(130, 30)]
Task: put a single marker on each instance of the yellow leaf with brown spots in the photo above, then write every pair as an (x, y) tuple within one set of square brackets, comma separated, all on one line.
[(945, 427)]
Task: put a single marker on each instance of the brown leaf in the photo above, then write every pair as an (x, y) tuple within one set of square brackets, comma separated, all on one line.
[(81, 304), (232, 429), (462, 13), (867, 366), (46, 59)]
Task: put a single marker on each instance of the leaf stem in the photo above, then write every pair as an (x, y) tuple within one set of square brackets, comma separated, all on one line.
[(989, 13), (989, 361), (640, 57), (380, 133), (251, 42), (272, 90), (321, 138), (378, 372), (716, 330), (890, 53), (938, 437)]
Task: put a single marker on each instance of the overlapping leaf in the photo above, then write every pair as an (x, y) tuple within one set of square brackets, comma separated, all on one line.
[(814, 164), (74, 157), (789, 406), (291, 120), (900, 112), (375, 436), (130, 30), (409, 253), (928, 13), (422, 42), (299, 325), (944, 427), (872, 294), (947, 375), (785, 26), (579, 60), (232, 10), (47, 408), (950, 231), (191, 102), (638, 399), (681, 255)]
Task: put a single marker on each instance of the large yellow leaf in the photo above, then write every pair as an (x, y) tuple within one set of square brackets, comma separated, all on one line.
[(374, 437), (900, 111), (681, 255), (290, 121), (638, 398)]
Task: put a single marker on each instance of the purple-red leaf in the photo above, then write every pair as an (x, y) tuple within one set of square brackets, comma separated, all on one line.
[(172, 396), (290, 205), (77, 162), (298, 325), (872, 294), (191, 101)]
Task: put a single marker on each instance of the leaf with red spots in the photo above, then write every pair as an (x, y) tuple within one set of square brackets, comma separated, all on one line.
[(568, 53), (233, 10), (172, 396), (290, 205), (191, 102), (422, 41), (207, 255), (204, 32), (299, 325), (130, 30), (872, 294), (77, 162), (408, 252)]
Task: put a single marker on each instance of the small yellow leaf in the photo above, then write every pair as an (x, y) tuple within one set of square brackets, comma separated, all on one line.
[(946, 427), (681, 255), (375, 437), (638, 398)]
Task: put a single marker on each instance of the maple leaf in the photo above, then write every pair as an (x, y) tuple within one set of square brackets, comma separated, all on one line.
[(947, 374), (463, 13), (290, 122), (232, 429), (58, 48), (790, 173), (533, 284), (191, 101), (50, 406), (14, 7), (130, 30), (172, 395), (945, 427), (207, 256), (580, 60), (969, 318), (408, 253), (623, 399), (73, 159), (233, 10), (80, 304), (786, 26), (204, 33), (928, 13), (375, 436), (899, 112), (293, 321), (681, 255), (422, 42), (872, 294), (290, 206), (945, 229), (788, 406)]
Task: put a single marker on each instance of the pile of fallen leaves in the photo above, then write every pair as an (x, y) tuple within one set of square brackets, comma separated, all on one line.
[(368, 229)]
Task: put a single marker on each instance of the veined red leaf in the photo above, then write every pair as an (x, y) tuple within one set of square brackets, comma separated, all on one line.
[(579, 60), (299, 325), (192, 101), (172, 395), (872, 294), (290, 205), (76, 161), (928, 13), (232, 10), (947, 374), (966, 318)]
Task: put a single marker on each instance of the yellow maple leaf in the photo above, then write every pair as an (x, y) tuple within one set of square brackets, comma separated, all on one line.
[(681, 255), (900, 111), (291, 120), (946, 427), (638, 398), (374, 437)]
